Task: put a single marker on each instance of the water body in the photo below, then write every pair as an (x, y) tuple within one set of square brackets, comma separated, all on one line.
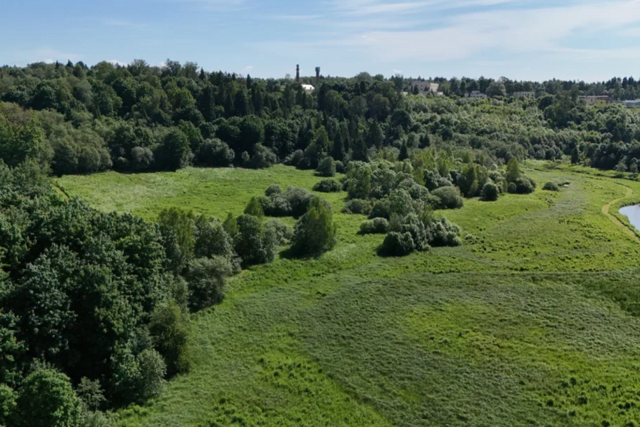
[(633, 213)]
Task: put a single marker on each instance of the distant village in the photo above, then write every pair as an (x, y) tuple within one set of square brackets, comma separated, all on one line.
[(424, 88)]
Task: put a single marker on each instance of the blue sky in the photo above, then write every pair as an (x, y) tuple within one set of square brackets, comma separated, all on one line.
[(520, 39)]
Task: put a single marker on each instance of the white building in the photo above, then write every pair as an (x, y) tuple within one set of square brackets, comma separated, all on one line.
[(425, 87), (527, 95), (308, 88), (476, 94)]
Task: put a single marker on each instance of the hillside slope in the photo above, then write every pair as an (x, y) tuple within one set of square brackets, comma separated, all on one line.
[(531, 322)]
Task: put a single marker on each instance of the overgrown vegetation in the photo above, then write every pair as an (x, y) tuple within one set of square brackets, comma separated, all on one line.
[(139, 118), (516, 308)]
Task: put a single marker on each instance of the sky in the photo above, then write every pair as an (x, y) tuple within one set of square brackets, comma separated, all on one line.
[(590, 40)]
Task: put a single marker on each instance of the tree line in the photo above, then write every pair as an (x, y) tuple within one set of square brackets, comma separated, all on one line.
[(75, 119)]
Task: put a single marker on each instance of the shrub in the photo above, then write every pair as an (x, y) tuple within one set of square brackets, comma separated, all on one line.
[(206, 281), (282, 231), (357, 206), (397, 244), (551, 186), (137, 378), (449, 198), (294, 158), (141, 159), (327, 167), (433, 180), (328, 186), (512, 188), (7, 404), (254, 244), (211, 239), (169, 328), (339, 166), (443, 233), (177, 227), (91, 394), (525, 185), (315, 232), (214, 152), (273, 189), (254, 208), (262, 158), (382, 209), (490, 192), (375, 226), (294, 202), (48, 400)]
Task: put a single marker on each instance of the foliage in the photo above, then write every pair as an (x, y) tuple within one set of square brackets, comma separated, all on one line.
[(293, 202), (357, 206), (169, 329), (254, 208), (397, 244), (282, 231), (553, 268), (490, 192), (47, 400), (375, 226), (328, 186), (447, 198), (254, 243), (315, 231), (551, 186), (327, 167)]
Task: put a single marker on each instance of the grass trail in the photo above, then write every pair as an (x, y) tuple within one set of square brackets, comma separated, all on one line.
[(607, 207)]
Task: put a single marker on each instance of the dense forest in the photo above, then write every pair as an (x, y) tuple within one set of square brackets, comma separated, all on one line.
[(94, 307), (78, 119)]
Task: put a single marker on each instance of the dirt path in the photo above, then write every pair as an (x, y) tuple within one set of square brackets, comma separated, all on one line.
[(616, 221)]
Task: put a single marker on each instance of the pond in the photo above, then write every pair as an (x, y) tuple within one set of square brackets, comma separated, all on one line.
[(633, 213)]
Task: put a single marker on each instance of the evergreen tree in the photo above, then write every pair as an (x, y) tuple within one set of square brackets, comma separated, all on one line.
[(513, 170), (337, 151), (359, 151), (575, 156), (375, 136), (404, 152), (241, 103)]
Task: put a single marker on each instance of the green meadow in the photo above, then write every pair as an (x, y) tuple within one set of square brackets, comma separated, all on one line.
[(532, 322)]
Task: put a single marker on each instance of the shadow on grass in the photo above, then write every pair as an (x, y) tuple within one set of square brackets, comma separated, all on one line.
[(290, 254)]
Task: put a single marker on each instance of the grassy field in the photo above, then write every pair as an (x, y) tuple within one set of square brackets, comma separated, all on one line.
[(534, 321)]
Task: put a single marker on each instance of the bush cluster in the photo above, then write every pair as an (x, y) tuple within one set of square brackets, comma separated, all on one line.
[(328, 186), (551, 186)]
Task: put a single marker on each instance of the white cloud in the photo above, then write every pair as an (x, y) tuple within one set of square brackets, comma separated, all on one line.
[(508, 31)]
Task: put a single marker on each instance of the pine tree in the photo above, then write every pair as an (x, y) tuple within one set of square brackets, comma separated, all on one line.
[(404, 152), (575, 156), (337, 152), (359, 151), (241, 103), (375, 136)]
